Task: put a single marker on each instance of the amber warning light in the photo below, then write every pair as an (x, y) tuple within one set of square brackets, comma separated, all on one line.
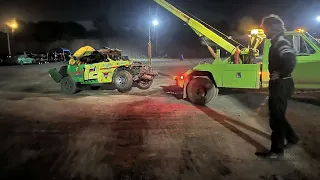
[(300, 30)]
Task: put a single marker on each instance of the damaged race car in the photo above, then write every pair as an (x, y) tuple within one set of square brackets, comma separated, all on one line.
[(90, 67)]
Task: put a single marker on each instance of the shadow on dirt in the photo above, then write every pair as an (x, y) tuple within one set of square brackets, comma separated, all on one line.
[(173, 90), (251, 99), (313, 101), (224, 120), (227, 123)]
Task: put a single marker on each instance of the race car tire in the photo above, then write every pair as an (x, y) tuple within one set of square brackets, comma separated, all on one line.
[(201, 91), (145, 84), (68, 86), (63, 71), (123, 81)]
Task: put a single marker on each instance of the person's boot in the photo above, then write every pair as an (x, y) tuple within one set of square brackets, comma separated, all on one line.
[(270, 155), (291, 144)]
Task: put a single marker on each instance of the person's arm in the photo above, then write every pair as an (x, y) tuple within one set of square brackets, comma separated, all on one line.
[(287, 57)]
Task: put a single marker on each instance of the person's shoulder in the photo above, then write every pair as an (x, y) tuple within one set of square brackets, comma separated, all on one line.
[(283, 40)]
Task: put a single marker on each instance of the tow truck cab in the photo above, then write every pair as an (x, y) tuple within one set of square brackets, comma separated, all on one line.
[(255, 76), (306, 74)]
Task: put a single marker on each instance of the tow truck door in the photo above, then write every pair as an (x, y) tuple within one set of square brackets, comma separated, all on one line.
[(307, 71)]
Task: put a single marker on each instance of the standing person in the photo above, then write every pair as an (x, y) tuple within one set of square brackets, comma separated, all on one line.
[(181, 57), (282, 61)]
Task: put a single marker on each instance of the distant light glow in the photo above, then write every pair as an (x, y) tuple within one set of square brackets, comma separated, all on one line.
[(12, 24), (155, 22), (318, 18)]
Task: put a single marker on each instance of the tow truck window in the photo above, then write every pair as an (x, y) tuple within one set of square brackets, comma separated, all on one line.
[(313, 40), (300, 46)]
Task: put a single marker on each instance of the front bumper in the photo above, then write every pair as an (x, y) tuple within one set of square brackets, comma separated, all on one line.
[(179, 81)]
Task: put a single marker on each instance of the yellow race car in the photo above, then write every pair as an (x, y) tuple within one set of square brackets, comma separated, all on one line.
[(90, 67)]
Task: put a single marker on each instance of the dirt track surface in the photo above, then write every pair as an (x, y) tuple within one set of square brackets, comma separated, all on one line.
[(150, 134)]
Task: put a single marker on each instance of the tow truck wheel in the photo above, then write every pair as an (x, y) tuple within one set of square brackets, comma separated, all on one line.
[(201, 91), (68, 86), (123, 81), (144, 84)]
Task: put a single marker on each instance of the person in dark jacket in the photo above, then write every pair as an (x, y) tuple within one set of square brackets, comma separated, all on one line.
[(282, 61)]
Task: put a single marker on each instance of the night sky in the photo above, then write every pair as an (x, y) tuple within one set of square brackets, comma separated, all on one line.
[(134, 13)]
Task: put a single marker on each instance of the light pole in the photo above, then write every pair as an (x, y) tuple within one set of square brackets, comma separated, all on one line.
[(149, 43), (13, 25), (156, 23)]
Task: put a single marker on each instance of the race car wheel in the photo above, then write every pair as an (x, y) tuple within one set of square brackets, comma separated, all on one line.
[(64, 71), (123, 81), (144, 84), (68, 86), (201, 91)]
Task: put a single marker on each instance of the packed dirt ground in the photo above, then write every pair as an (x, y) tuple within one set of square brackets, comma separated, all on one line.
[(151, 134)]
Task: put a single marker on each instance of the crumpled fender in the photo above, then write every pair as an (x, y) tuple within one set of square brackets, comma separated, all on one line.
[(83, 51)]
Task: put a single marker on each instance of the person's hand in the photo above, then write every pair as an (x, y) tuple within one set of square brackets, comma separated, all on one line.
[(275, 75)]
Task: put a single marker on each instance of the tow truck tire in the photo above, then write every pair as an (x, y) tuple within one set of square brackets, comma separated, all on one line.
[(68, 86), (146, 84), (201, 91), (123, 81)]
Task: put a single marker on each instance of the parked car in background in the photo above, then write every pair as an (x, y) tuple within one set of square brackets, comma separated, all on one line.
[(59, 54), (42, 57), (3, 58), (25, 58)]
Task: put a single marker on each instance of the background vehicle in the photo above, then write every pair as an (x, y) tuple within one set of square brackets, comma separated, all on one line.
[(3, 58), (200, 84), (89, 67), (25, 58), (41, 57), (59, 54)]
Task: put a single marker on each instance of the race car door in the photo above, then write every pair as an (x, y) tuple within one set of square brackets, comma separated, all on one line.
[(91, 72), (98, 73)]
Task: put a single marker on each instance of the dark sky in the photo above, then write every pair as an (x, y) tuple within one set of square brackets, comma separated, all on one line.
[(134, 12)]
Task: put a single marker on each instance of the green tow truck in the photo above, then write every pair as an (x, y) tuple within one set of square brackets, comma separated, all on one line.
[(241, 70)]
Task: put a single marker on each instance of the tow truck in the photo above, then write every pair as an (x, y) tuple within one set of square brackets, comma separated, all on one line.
[(241, 70)]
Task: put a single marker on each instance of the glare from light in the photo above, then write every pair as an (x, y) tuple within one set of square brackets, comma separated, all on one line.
[(300, 30), (155, 22), (255, 31), (318, 18), (12, 24)]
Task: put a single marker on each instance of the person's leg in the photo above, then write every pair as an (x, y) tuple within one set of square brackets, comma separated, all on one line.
[(277, 118), (276, 121), (290, 135)]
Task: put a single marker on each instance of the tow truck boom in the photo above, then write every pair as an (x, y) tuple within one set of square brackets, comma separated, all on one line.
[(202, 31), (198, 28)]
